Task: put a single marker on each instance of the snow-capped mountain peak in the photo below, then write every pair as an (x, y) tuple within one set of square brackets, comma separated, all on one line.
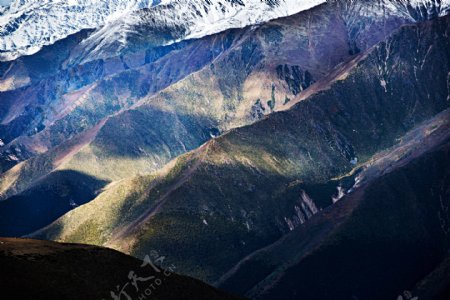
[(27, 25), (186, 19)]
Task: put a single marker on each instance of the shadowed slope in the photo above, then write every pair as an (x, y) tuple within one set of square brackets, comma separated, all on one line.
[(393, 222), (47, 200), (395, 235)]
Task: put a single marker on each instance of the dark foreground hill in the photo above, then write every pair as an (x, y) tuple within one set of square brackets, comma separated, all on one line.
[(32, 269)]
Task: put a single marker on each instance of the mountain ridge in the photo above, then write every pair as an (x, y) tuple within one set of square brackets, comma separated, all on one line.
[(195, 17)]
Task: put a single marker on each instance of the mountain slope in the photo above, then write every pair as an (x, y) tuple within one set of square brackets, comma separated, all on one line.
[(247, 188), (29, 120), (45, 270), (72, 117), (394, 223)]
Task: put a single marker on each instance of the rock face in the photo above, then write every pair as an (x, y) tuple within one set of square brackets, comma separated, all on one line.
[(249, 187), (45, 270)]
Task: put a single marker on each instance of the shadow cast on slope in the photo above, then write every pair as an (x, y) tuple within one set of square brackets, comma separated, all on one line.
[(48, 200)]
